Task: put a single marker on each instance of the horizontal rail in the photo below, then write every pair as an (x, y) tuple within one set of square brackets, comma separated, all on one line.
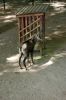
[(28, 15)]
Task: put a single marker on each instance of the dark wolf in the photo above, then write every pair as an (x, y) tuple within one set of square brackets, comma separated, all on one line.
[(28, 49)]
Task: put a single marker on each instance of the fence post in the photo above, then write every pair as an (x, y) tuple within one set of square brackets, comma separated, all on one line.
[(42, 30)]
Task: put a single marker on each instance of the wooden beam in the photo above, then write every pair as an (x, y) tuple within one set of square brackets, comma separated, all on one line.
[(30, 25), (25, 26), (42, 30), (30, 31), (37, 25), (18, 31), (33, 18), (24, 15), (22, 28)]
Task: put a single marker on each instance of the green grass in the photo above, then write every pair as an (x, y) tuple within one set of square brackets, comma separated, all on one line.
[(52, 46)]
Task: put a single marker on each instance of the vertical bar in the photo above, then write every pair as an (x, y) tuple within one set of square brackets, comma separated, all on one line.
[(30, 20), (42, 30), (31, 25), (22, 26), (37, 25), (26, 26), (20, 33), (19, 30), (33, 19), (24, 32)]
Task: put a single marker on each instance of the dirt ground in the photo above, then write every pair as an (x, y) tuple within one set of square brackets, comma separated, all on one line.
[(46, 80)]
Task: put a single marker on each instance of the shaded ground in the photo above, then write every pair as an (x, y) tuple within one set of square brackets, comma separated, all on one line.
[(44, 80)]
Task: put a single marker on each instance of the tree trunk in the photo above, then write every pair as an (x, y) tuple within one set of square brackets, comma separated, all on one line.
[(32, 2), (4, 4)]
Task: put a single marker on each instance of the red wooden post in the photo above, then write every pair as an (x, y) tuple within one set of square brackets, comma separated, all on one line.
[(20, 28), (42, 30)]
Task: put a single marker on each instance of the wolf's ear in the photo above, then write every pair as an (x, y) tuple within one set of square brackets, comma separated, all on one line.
[(38, 34)]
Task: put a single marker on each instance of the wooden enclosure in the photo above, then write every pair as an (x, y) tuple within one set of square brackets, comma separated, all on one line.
[(31, 20)]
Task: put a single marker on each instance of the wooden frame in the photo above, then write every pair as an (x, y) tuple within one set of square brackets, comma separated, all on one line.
[(29, 25)]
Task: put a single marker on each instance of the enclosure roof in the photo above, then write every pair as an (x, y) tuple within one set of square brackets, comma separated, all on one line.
[(32, 9)]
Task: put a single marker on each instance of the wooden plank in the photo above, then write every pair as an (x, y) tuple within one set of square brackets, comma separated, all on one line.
[(30, 31), (42, 29), (36, 14), (22, 27), (18, 31), (33, 17), (30, 24), (37, 24), (26, 26), (43, 26)]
